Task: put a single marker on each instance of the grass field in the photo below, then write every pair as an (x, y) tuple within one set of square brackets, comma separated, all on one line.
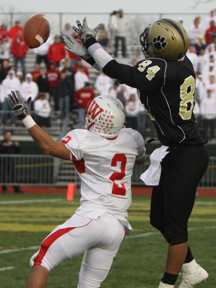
[(25, 220)]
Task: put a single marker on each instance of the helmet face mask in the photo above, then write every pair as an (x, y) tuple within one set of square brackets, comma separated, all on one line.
[(166, 39), (104, 115)]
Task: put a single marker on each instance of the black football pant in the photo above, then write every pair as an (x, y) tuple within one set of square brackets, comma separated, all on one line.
[(173, 200)]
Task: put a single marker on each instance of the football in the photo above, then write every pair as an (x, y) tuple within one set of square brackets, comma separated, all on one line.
[(36, 31)]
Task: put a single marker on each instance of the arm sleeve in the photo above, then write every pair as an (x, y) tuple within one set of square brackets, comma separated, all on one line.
[(110, 67)]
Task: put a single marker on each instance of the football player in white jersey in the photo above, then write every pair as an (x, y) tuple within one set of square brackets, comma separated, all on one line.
[(104, 155)]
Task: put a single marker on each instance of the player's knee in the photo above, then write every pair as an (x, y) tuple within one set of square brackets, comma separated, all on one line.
[(174, 237), (157, 223)]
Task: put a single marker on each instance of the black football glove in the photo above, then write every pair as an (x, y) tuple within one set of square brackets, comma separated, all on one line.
[(20, 108)]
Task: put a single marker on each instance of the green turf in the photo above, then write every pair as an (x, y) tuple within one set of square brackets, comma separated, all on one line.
[(140, 261)]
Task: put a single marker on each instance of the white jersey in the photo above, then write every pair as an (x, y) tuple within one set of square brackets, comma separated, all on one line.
[(105, 168)]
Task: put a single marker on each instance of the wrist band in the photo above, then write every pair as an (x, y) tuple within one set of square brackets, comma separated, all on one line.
[(28, 122)]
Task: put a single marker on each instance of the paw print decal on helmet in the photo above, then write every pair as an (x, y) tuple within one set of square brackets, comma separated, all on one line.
[(159, 42)]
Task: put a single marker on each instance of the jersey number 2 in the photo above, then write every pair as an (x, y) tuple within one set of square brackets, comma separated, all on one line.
[(118, 189)]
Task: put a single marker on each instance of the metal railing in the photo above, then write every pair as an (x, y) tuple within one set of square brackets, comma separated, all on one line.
[(39, 170)]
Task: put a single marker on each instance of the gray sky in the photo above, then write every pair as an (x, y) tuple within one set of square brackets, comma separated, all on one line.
[(134, 6), (178, 8)]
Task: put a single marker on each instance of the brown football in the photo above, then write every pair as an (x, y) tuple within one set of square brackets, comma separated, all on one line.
[(36, 31)]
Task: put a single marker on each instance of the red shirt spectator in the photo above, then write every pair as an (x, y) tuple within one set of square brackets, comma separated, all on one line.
[(3, 31), (79, 64), (14, 29), (56, 51), (36, 72), (18, 46), (84, 95), (209, 32), (53, 75)]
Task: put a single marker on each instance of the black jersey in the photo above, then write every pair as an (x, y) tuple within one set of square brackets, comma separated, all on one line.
[(166, 89)]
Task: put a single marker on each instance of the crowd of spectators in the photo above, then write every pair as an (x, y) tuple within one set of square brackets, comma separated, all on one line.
[(63, 79)]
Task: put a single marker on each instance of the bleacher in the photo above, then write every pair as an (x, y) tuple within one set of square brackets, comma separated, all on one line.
[(54, 131)]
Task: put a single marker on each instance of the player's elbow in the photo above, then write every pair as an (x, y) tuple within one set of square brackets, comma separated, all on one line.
[(141, 161)]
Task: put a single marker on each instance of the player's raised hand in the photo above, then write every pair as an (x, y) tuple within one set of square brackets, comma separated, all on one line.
[(76, 48), (84, 32), (20, 108)]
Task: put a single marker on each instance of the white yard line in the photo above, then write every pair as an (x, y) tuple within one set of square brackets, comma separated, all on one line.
[(20, 249), (6, 268), (127, 237), (29, 201), (157, 233)]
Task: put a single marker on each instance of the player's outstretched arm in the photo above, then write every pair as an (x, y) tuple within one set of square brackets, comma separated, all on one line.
[(41, 138), (103, 59)]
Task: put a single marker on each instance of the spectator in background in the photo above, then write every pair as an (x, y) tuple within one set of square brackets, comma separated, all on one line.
[(56, 51), (19, 50), (14, 30), (41, 53), (141, 119), (121, 33), (200, 44), (42, 110), (132, 111), (67, 31), (201, 60), (65, 92), (208, 113), (8, 170), (70, 74), (195, 30), (79, 63), (191, 54), (19, 75), (210, 18), (209, 32), (80, 78), (5, 48), (113, 90), (103, 83), (181, 21), (36, 72), (82, 97), (53, 77), (4, 31), (113, 26), (102, 36), (4, 70), (43, 83), (29, 89), (121, 96), (11, 82)]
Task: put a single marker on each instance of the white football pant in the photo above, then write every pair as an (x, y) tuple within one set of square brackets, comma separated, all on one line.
[(100, 239)]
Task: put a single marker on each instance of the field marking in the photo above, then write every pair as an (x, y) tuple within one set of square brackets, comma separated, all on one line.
[(157, 233), (205, 203), (6, 268), (20, 249), (127, 237), (29, 201)]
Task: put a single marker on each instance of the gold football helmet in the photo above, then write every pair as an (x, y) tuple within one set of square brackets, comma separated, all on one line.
[(166, 39)]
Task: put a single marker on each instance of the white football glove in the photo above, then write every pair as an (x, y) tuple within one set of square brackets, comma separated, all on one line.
[(84, 32), (71, 45), (20, 108)]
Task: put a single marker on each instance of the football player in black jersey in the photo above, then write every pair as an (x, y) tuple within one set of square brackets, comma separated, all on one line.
[(165, 80)]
